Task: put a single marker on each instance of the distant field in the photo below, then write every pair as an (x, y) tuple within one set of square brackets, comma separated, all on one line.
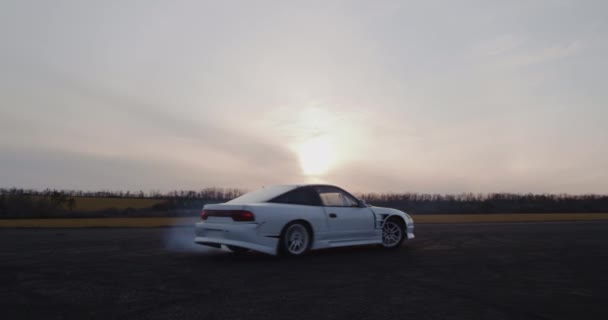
[(92, 204), (508, 217), (96, 222), (166, 222), (97, 204)]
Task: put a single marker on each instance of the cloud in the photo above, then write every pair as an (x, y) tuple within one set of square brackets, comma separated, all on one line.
[(425, 96), (499, 45), (120, 129), (230, 138), (39, 167), (543, 55), (510, 51)]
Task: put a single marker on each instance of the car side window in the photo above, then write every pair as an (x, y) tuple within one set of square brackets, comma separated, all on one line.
[(350, 201), (333, 197), (301, 196)]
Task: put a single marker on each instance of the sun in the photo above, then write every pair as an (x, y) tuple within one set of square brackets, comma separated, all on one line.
[(316, 156), (321, 139)]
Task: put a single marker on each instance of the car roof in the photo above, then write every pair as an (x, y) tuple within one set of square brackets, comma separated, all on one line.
[(312, 185), (269, 192), (295, 186)]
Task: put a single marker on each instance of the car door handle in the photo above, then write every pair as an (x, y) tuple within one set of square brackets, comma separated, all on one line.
[(333, 215)]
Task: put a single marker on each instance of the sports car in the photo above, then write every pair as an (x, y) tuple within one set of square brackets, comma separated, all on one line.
[(293, 219)]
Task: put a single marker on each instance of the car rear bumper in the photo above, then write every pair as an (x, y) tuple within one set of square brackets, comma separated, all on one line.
[(244, 235)]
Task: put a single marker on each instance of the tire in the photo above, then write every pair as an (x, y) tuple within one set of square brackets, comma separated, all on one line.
[(393, 234), (295, 239), (236, 249)]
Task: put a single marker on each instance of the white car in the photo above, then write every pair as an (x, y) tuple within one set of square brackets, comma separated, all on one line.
[(292, 219)]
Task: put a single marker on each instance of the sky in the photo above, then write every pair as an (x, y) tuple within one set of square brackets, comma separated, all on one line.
[(374, 96)]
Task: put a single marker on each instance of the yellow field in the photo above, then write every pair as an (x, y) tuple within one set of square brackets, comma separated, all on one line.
[(511, 217), (165, 222)]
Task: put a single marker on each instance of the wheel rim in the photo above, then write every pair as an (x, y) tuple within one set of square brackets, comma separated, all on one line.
[(296, 239), (391, 234)]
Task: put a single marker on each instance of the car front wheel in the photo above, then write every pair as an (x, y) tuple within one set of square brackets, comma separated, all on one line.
[(393, 234)]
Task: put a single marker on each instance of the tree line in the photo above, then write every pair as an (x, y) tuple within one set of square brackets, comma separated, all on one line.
[(16, 202), (206, 193), (25, 203), (490, 203)]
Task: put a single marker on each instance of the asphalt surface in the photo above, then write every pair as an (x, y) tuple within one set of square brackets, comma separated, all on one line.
[(460, 271)]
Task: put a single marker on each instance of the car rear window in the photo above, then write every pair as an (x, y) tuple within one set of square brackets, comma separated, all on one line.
[(261, 195), (303, 196)]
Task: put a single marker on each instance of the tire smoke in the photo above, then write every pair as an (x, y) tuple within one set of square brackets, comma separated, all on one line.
[(181, 239)]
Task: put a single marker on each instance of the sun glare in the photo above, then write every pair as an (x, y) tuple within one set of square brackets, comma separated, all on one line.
[(316, 156), (322, 139)]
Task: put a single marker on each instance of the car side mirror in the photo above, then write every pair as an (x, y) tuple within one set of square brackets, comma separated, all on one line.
[(363, 204)]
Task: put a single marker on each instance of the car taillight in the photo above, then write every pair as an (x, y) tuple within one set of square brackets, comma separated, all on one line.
[(236, 215), (242, 216)]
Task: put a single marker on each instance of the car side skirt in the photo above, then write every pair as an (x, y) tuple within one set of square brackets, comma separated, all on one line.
[(268, 249), (323, 244)]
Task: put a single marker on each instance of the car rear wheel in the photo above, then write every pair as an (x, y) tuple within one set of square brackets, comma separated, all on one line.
[(393, 234), (295, 239)]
